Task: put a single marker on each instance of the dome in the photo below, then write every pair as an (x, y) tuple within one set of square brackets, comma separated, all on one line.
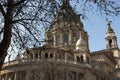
[(81, 44), (66, 15)]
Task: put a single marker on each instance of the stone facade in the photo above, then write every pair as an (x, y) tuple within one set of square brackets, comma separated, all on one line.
[(66, 54)]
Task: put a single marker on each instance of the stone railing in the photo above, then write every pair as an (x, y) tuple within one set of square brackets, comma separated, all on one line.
[(22, 61)]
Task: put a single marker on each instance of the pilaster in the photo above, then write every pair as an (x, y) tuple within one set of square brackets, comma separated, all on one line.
[(70, 37), (54, 37)]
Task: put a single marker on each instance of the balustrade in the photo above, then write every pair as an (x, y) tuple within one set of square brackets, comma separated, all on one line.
[(20, 61)]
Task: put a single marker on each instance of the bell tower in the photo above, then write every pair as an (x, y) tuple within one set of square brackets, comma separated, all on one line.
[(111, 39), (111, 44)]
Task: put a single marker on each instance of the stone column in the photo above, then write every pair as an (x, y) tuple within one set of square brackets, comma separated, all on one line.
[(28, 74), (33, 55), (54, 55), (9, 58), (66, 57), (75, 59), (54, 41), (84, 58), (66, 74), (15, 78), (61, 39), (70, 37), (6, 76), (107, 44), (38, 56), (46, 37), (115, 43), (49, 54), (42, 75), (76, 75)]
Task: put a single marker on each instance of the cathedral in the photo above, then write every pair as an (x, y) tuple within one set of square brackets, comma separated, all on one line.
[(66, 54)]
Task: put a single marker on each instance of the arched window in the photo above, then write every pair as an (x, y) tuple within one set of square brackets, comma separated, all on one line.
[(58, 39), (36, 55), (46, 55), (110, 43), (78, 59), (81, 59), (65, 38), (51, 55)]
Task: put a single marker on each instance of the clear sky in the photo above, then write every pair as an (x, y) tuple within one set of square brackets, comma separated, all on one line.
[(96, 27)]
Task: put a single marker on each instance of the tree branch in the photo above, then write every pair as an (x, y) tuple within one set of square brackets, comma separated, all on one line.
[(2, 10), (1, 30), (16, 21), (19, 2)]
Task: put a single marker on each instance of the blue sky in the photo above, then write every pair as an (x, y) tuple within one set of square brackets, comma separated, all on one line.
[(96, 28), (96, 25)]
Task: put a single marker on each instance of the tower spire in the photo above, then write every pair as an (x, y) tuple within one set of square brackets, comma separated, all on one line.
[(109, 29), (111, 39)]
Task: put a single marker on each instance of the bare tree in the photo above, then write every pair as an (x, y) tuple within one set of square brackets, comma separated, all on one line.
[(22, 22), (106, 7)]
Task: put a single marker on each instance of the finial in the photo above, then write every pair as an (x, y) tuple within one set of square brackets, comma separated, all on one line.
[(65, 2), (108, 23), (109, 29)]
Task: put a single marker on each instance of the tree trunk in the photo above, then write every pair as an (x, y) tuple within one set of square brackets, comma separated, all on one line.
[(4, 45)]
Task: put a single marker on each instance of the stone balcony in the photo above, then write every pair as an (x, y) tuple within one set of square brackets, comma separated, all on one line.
[(36, 60)]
